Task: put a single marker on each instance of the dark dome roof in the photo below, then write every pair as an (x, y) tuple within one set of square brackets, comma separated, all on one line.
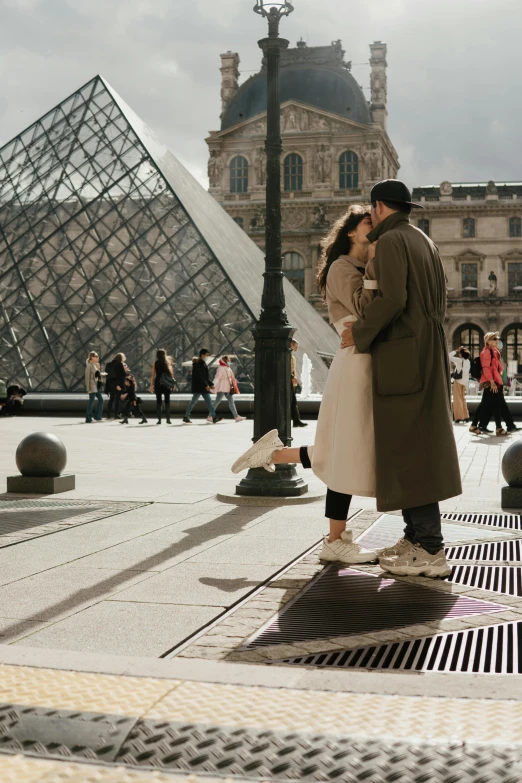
[(331, 89)]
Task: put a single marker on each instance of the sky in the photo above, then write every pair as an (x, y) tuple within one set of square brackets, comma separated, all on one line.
[(454, 98)]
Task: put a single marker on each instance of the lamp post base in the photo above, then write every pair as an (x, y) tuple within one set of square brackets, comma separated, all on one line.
[(285, 482)]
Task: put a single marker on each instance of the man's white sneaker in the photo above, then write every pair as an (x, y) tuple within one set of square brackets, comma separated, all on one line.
[(399, 548), (260, 455), (345, 551), (417, 562)]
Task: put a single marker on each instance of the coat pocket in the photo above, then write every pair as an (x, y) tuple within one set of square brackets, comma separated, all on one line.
[(398, 367)]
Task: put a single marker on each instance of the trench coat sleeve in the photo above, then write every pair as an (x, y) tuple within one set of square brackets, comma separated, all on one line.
[(346, 284), (391, 271)]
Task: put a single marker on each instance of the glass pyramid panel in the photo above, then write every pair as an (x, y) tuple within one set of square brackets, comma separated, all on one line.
[(97, 252)]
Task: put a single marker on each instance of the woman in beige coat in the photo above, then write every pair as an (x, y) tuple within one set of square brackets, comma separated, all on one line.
[(93, 384), (343, 455)]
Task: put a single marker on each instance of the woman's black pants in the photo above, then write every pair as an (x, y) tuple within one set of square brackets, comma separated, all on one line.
[(114, 402), (493, 404), (159, 394), (337, 503)]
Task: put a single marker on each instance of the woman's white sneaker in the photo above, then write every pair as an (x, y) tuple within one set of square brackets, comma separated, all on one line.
[(345, 551), (260, 455)]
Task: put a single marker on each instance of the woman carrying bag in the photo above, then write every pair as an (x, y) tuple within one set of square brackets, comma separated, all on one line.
[(493, 402), (225, 385), (461, 359), (162, 382)]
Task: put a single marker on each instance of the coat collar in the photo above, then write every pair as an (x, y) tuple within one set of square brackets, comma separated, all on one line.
[(355, 261), (388, 223)]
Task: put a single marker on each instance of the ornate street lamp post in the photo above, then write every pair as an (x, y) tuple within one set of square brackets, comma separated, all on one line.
[(272, 332)]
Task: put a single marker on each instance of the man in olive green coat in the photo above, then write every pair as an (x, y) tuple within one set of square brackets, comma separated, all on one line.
[(417, 463)]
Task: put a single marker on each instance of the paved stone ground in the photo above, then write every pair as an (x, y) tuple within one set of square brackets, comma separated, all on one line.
[(140, 582)]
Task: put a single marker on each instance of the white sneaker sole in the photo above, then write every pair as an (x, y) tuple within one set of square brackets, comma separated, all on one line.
[(368, 558), (435, 572), (271, 438)]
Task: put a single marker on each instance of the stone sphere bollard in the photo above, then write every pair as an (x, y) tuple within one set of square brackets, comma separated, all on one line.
[(41, 454), (512, 465), (512, 472)]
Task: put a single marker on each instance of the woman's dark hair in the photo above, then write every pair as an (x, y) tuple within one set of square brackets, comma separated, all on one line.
[(131, 379), (465, 355), (337, 242), (165, 361)]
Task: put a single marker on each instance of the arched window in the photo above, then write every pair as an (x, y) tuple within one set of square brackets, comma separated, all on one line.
[(424, 225), (239, 175), (515, 227), (514, 278), (512, 351), (468, 228), (239, 221), (470, 337), (348, 171), (293, 267), (293, 172)]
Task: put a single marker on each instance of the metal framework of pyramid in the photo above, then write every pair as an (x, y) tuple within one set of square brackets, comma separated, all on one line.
[(107, 243)]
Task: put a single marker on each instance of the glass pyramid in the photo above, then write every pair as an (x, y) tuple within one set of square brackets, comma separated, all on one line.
[(108, 244)]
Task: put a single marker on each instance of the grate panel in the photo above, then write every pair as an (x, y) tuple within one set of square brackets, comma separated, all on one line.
[(340, 602), (23, 520), (389, 528), (499, 551), (496, 579), (494, 649), (508, 521)]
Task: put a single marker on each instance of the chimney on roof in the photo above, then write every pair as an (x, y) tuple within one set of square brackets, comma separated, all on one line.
[(378, 66), (229, 77)]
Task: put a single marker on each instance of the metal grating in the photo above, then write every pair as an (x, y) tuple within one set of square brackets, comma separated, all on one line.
[(340, 602), (509, 521), (388, 528), (499, 551), (496, 649), (23, 520), (497, 579)]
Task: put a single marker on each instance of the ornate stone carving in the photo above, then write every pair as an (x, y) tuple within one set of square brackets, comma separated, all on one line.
[(379, 86), (290, 120), (215, 168), (470, 257), (294, 217), (446, 188), (491, 188), (258, 220), (323, 163), (320, 217), (260, 166), (493, 284), (372, 160)]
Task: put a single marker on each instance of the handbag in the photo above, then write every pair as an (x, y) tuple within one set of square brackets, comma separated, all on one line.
[(456, 375), (167, 381)]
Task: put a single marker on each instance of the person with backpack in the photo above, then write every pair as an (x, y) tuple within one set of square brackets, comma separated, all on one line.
[(461, 359), (493, 402), (114, 383), (162, 382)]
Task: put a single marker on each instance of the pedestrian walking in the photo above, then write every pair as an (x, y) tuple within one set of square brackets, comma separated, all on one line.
[(225, 385), (460, 375), (116, 371), (294, 382), (93, 386), (130, 401), (493, 403), (201, 387), (162, 382)]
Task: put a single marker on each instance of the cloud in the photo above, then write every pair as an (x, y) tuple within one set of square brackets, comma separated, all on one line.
[(453, 69)]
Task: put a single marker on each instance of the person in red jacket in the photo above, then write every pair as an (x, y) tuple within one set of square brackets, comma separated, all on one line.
[(493, 401)]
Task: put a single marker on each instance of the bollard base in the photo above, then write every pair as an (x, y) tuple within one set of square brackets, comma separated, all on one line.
[(41, 485), (511, 497)]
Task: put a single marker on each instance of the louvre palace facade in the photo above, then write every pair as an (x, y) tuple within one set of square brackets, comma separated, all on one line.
[(335, 147), (107, 243)]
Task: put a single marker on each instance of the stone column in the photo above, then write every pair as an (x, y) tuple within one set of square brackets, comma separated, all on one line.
[(229, 77), (379, 83)]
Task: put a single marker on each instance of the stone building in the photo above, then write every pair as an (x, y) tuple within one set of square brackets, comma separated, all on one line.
[(335, 146), (478, 230)]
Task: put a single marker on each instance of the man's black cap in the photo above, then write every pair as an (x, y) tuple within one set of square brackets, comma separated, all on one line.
[(392, 190)]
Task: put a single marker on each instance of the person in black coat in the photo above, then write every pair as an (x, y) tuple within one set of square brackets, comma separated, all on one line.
[(115, 382), (201, 387), (162, 381)]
